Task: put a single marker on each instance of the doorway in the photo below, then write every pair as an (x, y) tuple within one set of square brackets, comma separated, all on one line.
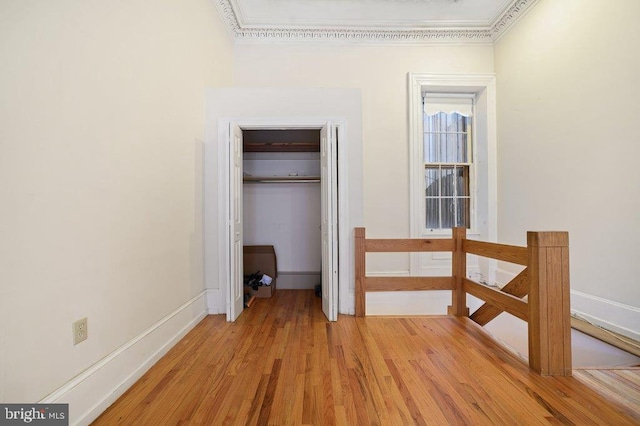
[(281, 203), (330, 134)]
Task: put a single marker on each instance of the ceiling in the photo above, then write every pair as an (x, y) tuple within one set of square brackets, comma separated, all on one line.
[(371, 21)]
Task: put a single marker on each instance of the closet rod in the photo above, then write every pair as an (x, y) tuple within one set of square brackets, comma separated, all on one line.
[(277, 179), (282, 181)]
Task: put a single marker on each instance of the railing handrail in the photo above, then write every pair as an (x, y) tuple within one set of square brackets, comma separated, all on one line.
[(545, 280)]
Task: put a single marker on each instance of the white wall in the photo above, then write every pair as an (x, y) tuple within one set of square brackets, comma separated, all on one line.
[(381, 74), (101, 142), (285, 215), (289, 106), (568, 143)]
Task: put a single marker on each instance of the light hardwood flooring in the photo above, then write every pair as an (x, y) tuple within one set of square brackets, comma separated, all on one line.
[(621, 385), (282, 363)]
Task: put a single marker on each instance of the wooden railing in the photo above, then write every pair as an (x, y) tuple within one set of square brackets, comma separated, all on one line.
[(545, 281)]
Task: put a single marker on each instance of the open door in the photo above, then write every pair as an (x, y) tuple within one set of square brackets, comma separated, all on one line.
[(236, 295), (329, 221), (328, 151)]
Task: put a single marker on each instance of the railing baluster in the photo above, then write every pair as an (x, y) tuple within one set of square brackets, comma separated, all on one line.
[(458, 306)]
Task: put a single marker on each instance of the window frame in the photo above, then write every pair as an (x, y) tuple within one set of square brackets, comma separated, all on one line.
[(482, 87)]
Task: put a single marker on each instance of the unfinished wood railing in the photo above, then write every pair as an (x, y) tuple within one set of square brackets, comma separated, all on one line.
[(545, 281)]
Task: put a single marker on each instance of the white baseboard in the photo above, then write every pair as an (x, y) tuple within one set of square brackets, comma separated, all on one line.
[(215, 305), (348, 306), (618, 317), (504, 276), (94, 390), (408, 302), (298, 280)]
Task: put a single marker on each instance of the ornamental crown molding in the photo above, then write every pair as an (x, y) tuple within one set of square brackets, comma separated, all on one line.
[(241, 33)]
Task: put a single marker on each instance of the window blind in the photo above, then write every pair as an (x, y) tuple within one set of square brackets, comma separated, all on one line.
[(448, 104)]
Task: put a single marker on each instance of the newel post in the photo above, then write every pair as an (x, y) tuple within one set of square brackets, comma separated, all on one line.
[(458, 272), (549, 307), (360, 272)]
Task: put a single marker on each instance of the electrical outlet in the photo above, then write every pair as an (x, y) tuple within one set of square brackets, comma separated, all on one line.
[(80, 331)]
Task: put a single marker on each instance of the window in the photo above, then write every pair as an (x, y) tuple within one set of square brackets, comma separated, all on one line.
[(447, 148), (453, 164), (452, 148)]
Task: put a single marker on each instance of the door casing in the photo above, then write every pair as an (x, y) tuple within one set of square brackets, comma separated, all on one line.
[(227, 186)]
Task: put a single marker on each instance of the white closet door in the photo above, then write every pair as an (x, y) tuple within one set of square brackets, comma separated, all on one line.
[(236, 295), (328, 139)]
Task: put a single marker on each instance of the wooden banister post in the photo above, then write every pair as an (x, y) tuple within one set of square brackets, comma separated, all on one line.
[(549, 307), (458, 306), (360, 264)]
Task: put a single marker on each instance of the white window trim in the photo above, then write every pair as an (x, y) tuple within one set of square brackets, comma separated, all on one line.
[(484, 88)]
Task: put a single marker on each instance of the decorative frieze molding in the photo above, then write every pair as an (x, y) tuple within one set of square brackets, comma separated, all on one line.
[(486, 35), (510, 16), (366, 36)]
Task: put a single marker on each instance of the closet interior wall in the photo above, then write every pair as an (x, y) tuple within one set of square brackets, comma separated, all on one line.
[(282, 213)]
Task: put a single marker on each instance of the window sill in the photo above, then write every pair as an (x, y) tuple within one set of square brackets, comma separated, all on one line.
[(441, 233)]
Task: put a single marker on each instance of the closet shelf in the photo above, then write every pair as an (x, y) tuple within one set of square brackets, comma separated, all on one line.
[(281, 179), (281, 146)]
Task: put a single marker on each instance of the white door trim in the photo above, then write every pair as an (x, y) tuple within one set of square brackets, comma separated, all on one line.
[(224, 190)]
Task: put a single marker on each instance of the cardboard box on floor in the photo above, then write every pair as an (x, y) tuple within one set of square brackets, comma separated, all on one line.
[(263, 259)]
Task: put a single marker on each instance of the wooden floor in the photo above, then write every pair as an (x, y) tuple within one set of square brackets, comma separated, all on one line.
[(282, 363), (621, 385)]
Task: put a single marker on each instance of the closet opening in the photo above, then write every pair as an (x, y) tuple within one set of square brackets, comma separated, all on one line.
[(281, 198)]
